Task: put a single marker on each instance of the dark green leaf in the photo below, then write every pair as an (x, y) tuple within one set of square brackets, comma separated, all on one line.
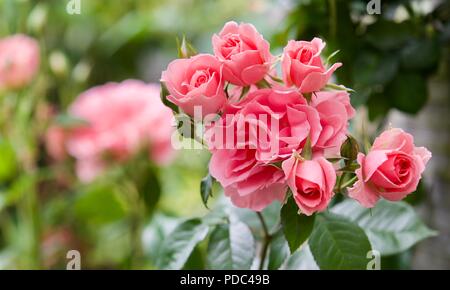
[(386, 35), (99, 204), (302, 259), (164, 93), (149, 187), (378, 106), (263, 84), (420, 54), (180, 243), (231, 247), (374, 68), (296, 227), (350, 149), (351, 167), (408, 92), (206, 189), (337, 243), (279, 250), (391, 227)]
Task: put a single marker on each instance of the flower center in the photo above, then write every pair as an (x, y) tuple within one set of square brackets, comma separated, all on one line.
[(304, 55), (402, 167), (200, 77)]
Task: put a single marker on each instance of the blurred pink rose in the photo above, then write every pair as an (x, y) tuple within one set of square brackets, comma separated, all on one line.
[(302, 66), (244, 53), (334, 110), (391, 170), (121, 119), (55, 142), (311, 182), (248, 183), (19, 61), (195, 81)]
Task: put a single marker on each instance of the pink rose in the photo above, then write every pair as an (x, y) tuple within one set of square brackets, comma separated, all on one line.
[(302, 66), (121, 118), (311, 182), (248, 183), (19, 61), (334, 110), (195, 82), (244, 53), (391, 170), (273, 122)]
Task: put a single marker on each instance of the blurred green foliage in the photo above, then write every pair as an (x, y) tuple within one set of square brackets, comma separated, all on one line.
[(387, 57)]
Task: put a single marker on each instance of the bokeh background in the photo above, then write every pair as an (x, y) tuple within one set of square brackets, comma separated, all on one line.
[(397, 62)]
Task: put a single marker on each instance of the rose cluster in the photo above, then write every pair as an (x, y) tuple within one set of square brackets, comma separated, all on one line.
[(271, 133)]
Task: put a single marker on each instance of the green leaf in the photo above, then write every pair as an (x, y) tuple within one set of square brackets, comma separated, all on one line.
[(148, 186), (408, 92), (180, 244), (350, 149), (330, 57), (302, 259), (332, 86), (231, 247), (100, 204), (263, 84), (420, 54), (392, 227), (374, 68), (337, 243), (296, 227), (279, 250), (155, 234), (386, 35), (350, 167), (8, 161), (206, 189), (307, 149), (164, 93), (378, 106)]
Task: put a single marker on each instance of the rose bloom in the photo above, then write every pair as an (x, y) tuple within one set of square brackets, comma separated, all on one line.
[(248, 183), (335, 111), (311, 182), (273, 122), (391, 170), (121, 118), (19, 61), (195, 82), (302, 66), (244, 53)]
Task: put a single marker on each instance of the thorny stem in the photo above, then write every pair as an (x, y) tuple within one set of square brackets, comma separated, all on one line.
[(266, 240)]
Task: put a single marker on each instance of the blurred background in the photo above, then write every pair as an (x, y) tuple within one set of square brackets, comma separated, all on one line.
[(396, 61)]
